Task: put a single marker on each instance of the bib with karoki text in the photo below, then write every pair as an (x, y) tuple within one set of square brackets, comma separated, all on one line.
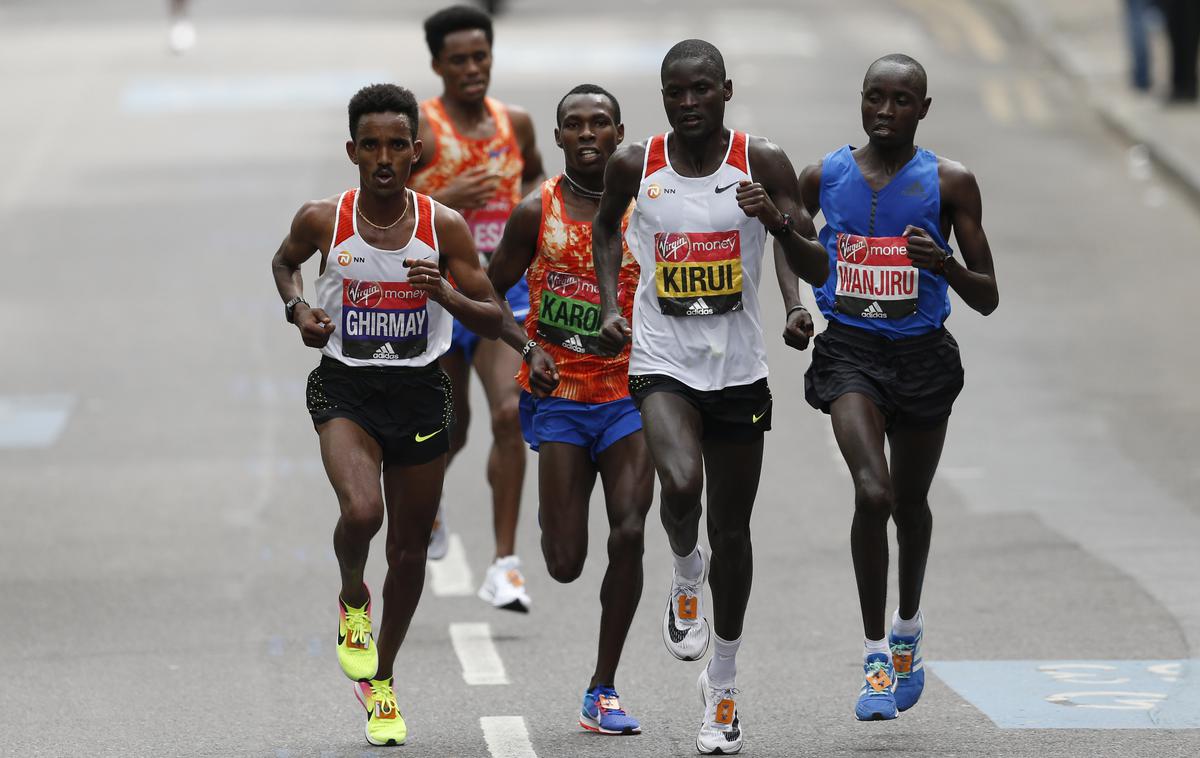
[(569, 313), (875, 277)]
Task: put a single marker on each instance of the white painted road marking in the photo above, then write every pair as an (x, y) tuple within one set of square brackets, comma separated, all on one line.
[(507, 737), (33, 420), (451, 576), (477, 654)]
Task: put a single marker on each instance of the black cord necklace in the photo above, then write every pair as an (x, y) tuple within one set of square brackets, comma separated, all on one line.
[(581, 190)]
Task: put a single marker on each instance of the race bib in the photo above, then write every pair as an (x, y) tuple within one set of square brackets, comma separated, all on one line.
[(698, 273), (383, 320), (569, 315), (487, 225), (875, 278)]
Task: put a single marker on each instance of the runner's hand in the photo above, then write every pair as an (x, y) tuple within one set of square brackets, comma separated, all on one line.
[(799, 329), (543, 374), (923, 251), (470, 189), (424, 275), (754, 201), (614, 333), (314, 324)]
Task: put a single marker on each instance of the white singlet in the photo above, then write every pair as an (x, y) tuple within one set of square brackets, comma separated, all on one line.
[(381, 319), (695, 314)]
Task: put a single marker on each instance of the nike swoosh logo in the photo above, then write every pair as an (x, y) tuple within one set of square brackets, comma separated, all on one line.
[(756, 417), (722, 189), (341, 638), (422, 437), (676, 633)]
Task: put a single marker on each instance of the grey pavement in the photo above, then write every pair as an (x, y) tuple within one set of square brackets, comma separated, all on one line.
[(166, 571)]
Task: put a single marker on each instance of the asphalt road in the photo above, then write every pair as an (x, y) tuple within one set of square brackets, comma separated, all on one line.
[(165, 525)]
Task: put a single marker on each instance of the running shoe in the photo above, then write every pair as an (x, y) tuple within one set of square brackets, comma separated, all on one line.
[(876, 699), (602, 713), (439, 538), (504, 586), (356, 645), (685, 630), (721, 730), (910, 668), (385, 725)]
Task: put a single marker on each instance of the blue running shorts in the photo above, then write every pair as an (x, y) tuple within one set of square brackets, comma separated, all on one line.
[(593, 426)]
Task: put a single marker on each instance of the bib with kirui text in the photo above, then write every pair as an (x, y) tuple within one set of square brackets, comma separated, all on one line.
[(569, 315), (383, 320), (698, 273), (875, 277)]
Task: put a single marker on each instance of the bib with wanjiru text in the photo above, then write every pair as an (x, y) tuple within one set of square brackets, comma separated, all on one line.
[(875, 277)]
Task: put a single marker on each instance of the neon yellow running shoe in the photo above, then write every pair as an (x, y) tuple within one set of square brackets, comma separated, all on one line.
[(356, 646), (385, 725)]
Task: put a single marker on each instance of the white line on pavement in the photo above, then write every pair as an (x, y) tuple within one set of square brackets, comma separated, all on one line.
[(451, 576), (507, 737), (477, 654)]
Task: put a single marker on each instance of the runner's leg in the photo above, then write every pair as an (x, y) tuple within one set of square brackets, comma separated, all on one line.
[(859, 427), (914, 459), (412, 494), (733, 469), (352, 461), (628, 479), (565, 478), (497, 365), (673, 429)]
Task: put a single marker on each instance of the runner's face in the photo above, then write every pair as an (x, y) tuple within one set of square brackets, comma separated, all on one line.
[(892, 106), (589, 134), (694, 97), (384, 152), (465, 65)]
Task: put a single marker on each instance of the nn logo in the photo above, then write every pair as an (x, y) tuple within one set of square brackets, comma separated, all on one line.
[(655, 191), (345, 259)]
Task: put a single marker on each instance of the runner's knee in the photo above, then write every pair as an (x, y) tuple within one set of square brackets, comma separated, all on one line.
[(362, 516), (407, 554), (563, 562), (626, 539), (874, 499), (681, 488), (506, 420), (912, 515)]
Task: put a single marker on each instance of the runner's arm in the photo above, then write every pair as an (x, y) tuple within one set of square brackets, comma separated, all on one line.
[(798, 329), (622, 179), (310, 227), (474, 303), (774, 194), (534, 174), (511, 260)]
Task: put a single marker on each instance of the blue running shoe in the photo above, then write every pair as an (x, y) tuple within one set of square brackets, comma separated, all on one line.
[(910, 669), (602, 713), (876, 701)]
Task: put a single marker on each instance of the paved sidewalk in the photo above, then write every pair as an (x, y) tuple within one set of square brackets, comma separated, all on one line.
[(1087, 40)]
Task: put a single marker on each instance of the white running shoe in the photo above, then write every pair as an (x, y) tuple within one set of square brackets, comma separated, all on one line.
[(685, 630), (439, 538), (504, 586), (721, 730), (182, 36)]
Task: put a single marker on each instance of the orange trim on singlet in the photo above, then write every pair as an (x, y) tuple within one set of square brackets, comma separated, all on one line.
[(425, 220), (737, 153), (344, 224), (656, 155)]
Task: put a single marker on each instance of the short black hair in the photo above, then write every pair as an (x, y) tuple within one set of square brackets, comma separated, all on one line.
[(454, 19), (695, 49), (383, 98), (589, 89), (919, 79)]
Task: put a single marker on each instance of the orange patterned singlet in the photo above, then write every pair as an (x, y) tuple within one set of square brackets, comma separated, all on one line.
[(564, 304), (454, 154)]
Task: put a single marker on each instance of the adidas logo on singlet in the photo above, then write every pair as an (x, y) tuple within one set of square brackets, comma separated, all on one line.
[(700, 308), (874, 310), (574, 343), (385, 353)]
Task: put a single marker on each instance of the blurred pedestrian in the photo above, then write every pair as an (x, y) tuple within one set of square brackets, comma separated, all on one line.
[(1137, 22), (181, 36), (1183, 29)]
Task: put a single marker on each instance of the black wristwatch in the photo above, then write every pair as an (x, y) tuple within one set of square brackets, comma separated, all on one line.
[(290, 306), (783, 229)]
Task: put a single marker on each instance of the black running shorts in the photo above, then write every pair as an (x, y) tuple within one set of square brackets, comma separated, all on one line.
[(913, 380), (407, 410), (740, 412)]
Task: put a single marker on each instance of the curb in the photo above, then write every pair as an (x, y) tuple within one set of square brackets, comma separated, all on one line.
[(1030, 17)]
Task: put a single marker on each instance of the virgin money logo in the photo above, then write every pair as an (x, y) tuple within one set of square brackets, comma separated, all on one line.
[(853, 249), (673, 247), (364, 294), (564, 285)]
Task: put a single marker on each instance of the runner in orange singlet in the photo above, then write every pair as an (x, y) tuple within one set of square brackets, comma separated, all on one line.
[(575, 408), (480, 158)]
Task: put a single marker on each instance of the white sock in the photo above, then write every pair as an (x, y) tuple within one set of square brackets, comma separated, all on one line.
[(907, 627), (722, 669), (871, 647), (690, 566)]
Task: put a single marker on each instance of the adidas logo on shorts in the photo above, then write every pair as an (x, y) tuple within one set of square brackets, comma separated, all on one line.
[(874, 310), (385, 353), (700, 308), (574, 343)]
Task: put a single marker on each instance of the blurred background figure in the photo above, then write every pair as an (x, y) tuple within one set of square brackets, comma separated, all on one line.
[(1183, 29), (1139, 14), (181, 36)]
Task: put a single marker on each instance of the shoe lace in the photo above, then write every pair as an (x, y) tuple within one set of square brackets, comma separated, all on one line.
[(382, 694), (902, 647), (605, 693), (874, 669), (358, 625)]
